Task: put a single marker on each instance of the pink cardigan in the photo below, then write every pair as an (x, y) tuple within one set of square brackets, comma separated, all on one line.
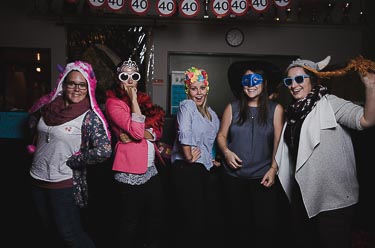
[(129, 157)]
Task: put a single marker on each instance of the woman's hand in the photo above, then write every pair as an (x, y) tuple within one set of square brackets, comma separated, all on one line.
[(195, 155), (132, 92), (269, 178), (368, 118), (368, 79), (233, 160), (216, 163), (125, 138)]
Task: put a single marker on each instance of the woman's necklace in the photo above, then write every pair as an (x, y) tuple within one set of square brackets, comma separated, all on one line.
[(49, 129)]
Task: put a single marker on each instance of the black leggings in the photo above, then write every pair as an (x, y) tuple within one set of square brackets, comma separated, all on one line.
[(251, 212), (329, 229)]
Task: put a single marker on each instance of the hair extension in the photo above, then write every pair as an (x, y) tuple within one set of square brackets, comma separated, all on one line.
[(359, 64)]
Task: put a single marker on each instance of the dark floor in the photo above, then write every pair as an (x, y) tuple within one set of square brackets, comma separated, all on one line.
[(21, 225)]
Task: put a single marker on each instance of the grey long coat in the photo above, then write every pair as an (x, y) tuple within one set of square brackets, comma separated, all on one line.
[(326, 169)]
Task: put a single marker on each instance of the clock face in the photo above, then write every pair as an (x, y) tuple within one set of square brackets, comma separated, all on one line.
[(234, 37)]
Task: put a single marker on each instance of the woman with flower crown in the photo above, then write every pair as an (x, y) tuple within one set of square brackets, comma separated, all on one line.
[(192, 160), (136, 123)]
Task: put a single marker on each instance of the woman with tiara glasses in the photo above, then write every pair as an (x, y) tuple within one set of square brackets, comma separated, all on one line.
[(136, 123), (315, 155)]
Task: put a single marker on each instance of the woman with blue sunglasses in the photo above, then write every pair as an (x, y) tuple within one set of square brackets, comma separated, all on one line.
[(315, 156), (248, 137)]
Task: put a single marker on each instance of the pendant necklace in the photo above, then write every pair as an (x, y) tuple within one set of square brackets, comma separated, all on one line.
[(48, 134)]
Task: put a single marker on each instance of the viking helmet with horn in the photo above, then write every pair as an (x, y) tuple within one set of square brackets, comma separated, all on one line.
[(310, 65)]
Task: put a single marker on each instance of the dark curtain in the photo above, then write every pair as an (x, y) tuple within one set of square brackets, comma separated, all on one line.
[(104, 47)]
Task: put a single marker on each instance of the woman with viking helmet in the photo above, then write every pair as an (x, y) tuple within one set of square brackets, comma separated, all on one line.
[(315, 155), (136, 124), (192, 160)]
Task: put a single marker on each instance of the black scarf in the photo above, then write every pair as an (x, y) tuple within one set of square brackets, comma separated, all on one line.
[(302, 107), (296, 113)]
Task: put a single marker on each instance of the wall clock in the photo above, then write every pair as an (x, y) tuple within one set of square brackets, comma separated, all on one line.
[(234, 37)]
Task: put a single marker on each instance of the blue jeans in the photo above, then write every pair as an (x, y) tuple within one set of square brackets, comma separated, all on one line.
[(58, 212)]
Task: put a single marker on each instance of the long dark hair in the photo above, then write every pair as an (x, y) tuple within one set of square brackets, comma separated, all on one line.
[(263, 101)]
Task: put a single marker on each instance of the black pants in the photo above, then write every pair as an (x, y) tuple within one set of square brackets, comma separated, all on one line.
[(251, 212), (141, 213), (329, 229), (197, 211)]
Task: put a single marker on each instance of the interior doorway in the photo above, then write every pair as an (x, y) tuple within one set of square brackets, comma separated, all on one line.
[(25, 75)]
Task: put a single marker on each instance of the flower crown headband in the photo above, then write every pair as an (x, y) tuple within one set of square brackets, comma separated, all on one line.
[(193, 75)]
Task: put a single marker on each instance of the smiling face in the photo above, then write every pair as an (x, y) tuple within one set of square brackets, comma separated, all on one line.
[(198, 93), (299, 90), (253, 92), (75, 87)]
